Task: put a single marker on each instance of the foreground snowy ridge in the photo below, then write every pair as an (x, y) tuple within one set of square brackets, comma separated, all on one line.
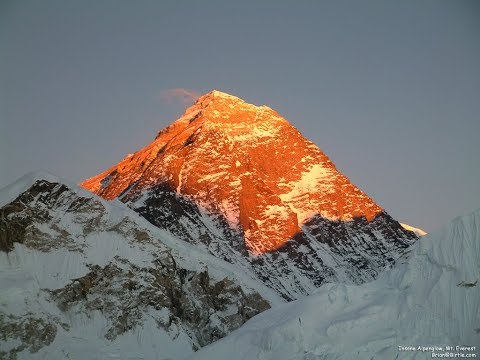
[(430, 298), (84, 278)]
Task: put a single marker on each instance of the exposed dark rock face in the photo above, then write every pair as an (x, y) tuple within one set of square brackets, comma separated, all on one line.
[(176, 298), (168, 210), (22, 220), (322, 251), (33, 331)]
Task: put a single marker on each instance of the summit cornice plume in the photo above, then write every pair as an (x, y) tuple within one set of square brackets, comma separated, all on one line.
[(245, 163)]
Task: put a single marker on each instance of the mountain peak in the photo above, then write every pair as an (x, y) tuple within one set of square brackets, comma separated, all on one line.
[(221, 94), (215, 97), (245, 163), (223, 102), (219, 112)]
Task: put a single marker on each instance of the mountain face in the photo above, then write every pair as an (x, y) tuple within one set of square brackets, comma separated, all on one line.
[(240, 182), (228, 212), (430, 299), (84, 278)]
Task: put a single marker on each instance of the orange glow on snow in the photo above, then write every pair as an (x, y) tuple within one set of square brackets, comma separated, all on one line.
[(246, 163)]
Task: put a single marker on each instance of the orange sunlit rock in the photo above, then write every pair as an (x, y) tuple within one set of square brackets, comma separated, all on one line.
[(246, 163)]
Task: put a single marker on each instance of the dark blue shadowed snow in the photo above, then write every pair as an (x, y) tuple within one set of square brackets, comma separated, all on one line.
[(431, 298)]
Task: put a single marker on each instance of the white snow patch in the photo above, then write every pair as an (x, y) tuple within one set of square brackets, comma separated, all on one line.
[(417, 231), (316, 179)]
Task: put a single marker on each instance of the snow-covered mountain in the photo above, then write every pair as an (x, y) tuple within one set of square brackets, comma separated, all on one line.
[(85, 278), (228, 212), (240, 182), (431, 298)]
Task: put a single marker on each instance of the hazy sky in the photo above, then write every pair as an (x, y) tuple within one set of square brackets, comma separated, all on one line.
[(390, 90)]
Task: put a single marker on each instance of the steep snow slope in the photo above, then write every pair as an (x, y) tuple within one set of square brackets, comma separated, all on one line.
[(430, 298), (84, 278)]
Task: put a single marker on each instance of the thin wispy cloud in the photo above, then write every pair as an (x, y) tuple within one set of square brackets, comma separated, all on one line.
[(185, 96)]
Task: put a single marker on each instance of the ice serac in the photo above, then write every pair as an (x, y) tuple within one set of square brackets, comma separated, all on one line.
[(240, 180)]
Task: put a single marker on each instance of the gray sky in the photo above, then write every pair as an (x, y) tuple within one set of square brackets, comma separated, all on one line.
[(390, 90)]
